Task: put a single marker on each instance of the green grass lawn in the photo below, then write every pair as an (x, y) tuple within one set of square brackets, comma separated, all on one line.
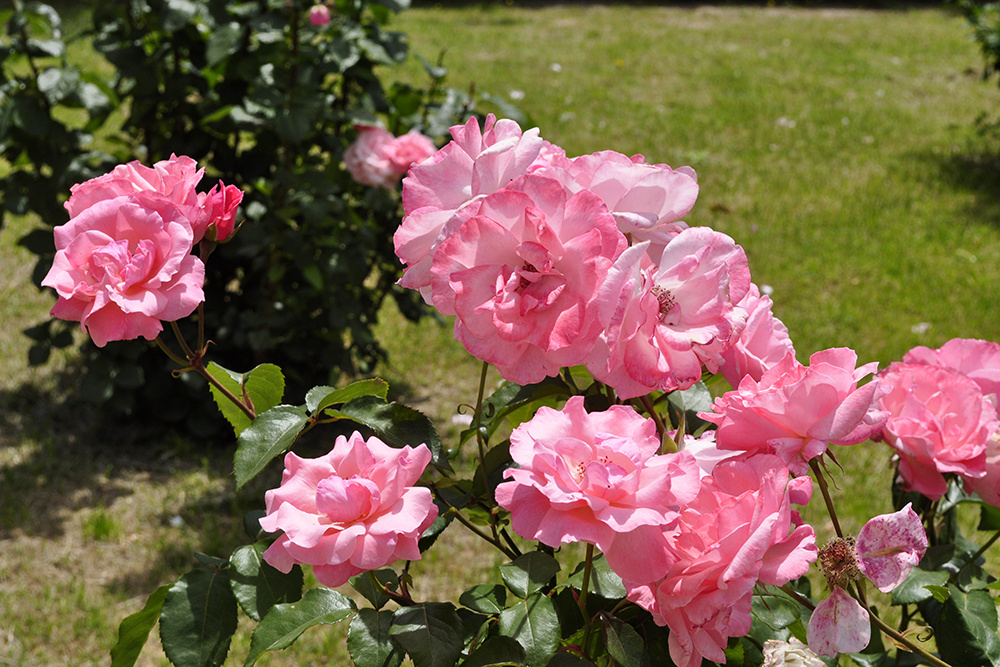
[(837, 146)]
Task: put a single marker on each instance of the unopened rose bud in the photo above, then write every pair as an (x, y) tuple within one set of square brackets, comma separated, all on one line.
[(319, 15)]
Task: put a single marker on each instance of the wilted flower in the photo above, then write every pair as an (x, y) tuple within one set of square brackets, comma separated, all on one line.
[(792, 653)]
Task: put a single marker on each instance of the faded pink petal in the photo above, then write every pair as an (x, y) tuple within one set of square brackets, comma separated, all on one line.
[(838, 625), (889, 546), (352, 510)]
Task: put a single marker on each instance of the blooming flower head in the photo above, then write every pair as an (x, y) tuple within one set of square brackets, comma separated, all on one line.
[(795, 411), (939, 423), (319, 15), (477, 163), (596, 477), (738, 531), (349, 511), (379, 159), (123, 262), (664, 323), (523, 274)]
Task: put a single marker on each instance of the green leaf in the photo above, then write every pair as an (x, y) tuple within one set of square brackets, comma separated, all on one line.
[(624, 643), (914, 589), (966, 631), (775, 612), (497, 651), (224, 42), (529, 573), (198, 619), (495, 463), (485, 598), (568, 660), (510, 396), (258, 586), (270, 435), (319, 398), (134, 630), (396, 425), (286, 622), (989, 517), (603, 580), (251, 523), (263, 386), (940, 593), (535, 626), (430, 633), (363, 584), (368, 640)]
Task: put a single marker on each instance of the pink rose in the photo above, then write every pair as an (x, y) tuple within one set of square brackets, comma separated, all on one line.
[(319, 15), (939, 423), (988, 486), (795, 411), (123, 262), (597, 478), (641, 196), (379, 159), (350, 511), (475, 164), (976, 359), (740, 530), (662, 324), (763, 343), (224, 201), (523, 276), (172, 181)]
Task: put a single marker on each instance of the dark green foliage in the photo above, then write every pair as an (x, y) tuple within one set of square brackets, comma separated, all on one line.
[(985, 21), (263, 100)]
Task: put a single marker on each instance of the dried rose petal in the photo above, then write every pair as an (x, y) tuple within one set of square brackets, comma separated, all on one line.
[(838, 625), (889, 546)]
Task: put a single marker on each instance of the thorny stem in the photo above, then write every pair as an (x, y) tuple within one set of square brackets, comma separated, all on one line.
[(495, 542), (402, 600), (953, 579), (826, 496), (194, 362), (481, 441), (660, 428), (898, 637), (802, 600)]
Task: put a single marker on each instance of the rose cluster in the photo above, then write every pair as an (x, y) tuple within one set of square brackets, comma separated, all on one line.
[(942, 417), (123, 262)]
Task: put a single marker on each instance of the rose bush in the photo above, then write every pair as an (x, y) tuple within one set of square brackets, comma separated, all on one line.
[(609, 318)]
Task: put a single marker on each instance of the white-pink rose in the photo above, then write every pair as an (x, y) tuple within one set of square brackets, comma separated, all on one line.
[(662, 324), (740, 530), (349, 511), (522, 276), (939, 423), (123, 262), (379, 159), (478, 162), (597, 478), (795, 411)]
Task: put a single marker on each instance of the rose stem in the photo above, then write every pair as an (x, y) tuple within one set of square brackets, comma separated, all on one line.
[(482, 444), (587, 567), (899, 638), (826, 496), (195, 362)]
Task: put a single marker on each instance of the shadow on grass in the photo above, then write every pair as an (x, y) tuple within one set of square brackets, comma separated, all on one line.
[(975, 169)]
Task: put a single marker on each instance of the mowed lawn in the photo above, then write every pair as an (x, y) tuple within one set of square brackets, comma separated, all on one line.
[(838, 146)]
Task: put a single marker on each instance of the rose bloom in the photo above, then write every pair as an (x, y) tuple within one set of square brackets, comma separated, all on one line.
[(664, 323), (223, 202), (522, 276), (350, 511), (738, 531), (597, 478), (795, 411), (477, 163), (123, 262), (762, 344), (792, 653), (170, 181), (379, 159), (939, 423)]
